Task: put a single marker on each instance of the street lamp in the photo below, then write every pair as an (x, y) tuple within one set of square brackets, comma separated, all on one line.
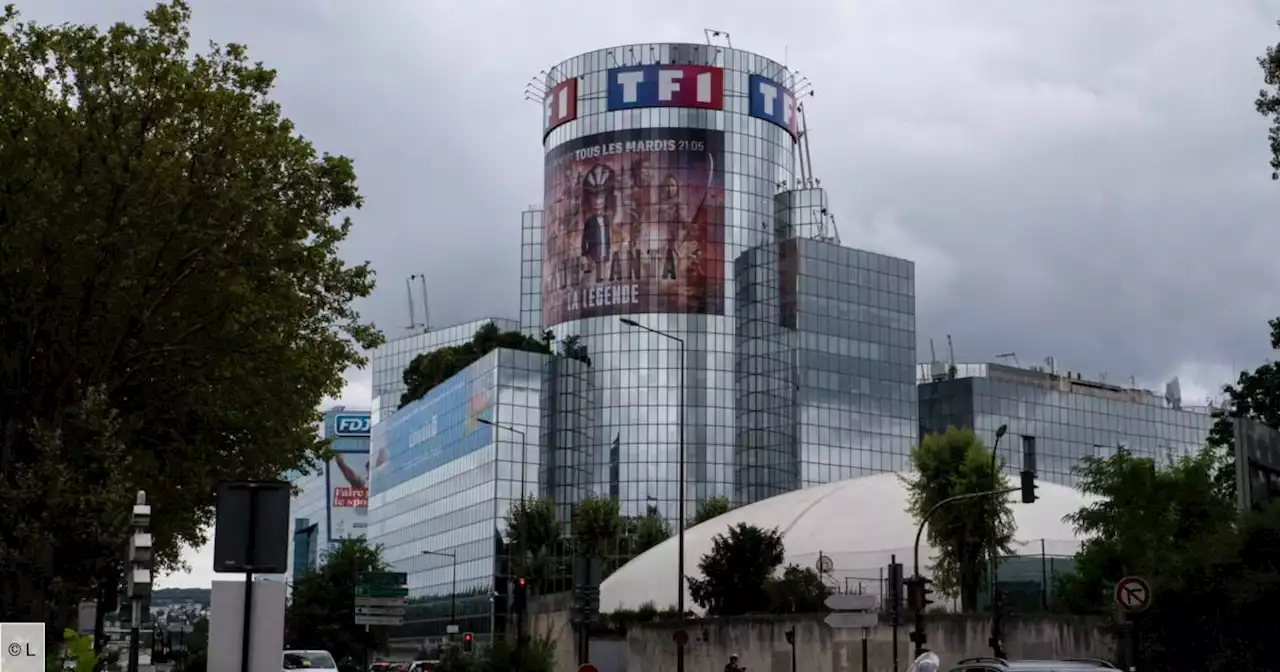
[(453, 584), (524, 451), (997, 634), (680, 543)]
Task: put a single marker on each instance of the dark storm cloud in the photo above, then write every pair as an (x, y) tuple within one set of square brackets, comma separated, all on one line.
[(1080, 180)]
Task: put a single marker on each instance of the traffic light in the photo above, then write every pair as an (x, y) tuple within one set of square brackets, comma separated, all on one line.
[(468, 641), (918, 592), (791, 636), (1029, 487), (519, 595)]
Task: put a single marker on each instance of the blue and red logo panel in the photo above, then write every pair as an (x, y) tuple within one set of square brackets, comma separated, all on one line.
[(560, 105), (771, 101), (698, 86)]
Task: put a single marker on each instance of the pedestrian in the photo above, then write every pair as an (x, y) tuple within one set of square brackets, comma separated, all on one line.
[(733, 665)]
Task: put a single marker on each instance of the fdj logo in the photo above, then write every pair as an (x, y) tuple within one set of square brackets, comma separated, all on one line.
[(351, 425)]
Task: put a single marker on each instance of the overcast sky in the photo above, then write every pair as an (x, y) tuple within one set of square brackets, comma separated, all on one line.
[(1086, 180)]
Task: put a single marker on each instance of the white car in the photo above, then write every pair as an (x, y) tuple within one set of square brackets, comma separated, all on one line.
[(320, 661)]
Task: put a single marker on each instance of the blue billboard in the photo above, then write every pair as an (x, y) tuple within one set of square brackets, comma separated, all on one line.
[(771, 101), (440, 427), (350, 424)]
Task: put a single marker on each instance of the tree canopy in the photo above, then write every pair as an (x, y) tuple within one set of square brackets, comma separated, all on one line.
[(1255, 395), (1268, 103), (736, 573), (533, 540), (175, 307), (428, 370), (799, 590), (710, 508), (963, 533), (321, 611), (1213, 572)]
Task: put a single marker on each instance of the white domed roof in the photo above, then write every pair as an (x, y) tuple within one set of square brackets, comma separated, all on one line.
[(859, 523)]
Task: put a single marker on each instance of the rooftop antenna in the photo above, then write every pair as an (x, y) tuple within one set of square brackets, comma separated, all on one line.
[(951, 353), (1011, 355), (413, 321), (426, 309), (806, 162), (712, 32)]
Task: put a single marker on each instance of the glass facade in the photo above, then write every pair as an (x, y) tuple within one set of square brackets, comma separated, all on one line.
[(646, 210), (531, 272), (1061, 418), (390, 359), (826, 356), (442, 482)]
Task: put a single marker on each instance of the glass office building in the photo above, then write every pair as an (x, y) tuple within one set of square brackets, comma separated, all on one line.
[(661, 166), (447, 468), (1060, 416), (531, 272), (390, 359), (825, 352)]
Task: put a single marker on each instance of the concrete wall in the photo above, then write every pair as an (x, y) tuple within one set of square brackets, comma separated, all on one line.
[(762, 647)]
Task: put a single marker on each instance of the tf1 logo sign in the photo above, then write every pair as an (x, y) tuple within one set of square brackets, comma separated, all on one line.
[(772, 102), (699, 86), (351, 424), (560, 105)]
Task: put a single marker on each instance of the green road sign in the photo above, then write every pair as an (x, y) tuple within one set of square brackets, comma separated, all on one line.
[(384, 579), (381, 591)]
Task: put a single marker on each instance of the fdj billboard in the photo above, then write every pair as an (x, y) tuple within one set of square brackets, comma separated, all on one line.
[(438, 428), (347, 477), (351, 424), (634, 224)]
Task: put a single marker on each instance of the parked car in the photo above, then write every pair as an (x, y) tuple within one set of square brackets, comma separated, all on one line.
[(321, 661), (991, 664)]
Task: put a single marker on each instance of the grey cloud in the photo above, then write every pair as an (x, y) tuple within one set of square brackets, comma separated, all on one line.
[(1082, 180)]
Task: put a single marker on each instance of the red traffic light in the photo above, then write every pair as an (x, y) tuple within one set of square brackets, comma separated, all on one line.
[(520, 580), (467, 637)]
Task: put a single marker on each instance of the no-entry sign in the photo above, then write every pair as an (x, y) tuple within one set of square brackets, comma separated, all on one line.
[(1133, 594)]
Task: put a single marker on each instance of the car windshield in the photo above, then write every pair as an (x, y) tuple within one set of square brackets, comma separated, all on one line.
[(305, 661)]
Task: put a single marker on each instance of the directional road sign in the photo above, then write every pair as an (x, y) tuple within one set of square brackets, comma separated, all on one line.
[(381, 601), (852, 619), (381, 591), (378, 620), (380, 611), (1133, 594), (394, 579), (850, 602)]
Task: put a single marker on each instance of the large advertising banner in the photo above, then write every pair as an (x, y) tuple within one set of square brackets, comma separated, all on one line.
[(347, 476), (634, 223), (438, 428)]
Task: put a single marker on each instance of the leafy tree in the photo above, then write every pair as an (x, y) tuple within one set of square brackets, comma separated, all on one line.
[(533, 540), (798, 591), (321, 613), (737, 571), (537, 654), (645, 532), (597, 525), (430, 369), (175, 307), (1256, 395), (710, 508), (1143, 519), (1268, 104), (963, 533)]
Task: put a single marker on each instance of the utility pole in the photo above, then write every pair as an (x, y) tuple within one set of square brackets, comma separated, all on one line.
[(140, 562)]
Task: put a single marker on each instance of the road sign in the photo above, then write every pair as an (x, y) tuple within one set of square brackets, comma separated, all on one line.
[(384, 579), (588, 667), (381, 591), (853, 619), (825, 564), (381, 601), (681, 637), (1133, 594), (850, 602), (451, 629), (380, 611), (378, 620)]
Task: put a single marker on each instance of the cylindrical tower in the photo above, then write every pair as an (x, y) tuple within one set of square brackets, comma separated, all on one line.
[(662, 162)]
